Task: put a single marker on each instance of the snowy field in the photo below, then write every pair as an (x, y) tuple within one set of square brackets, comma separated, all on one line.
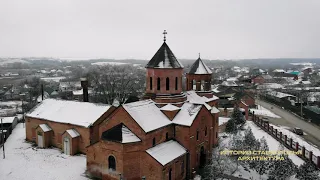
[(286, 131), (261, 111), (29, 163)]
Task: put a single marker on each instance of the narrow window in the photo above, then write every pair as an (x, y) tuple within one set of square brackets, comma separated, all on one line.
[(182, 167), (167, 136), (216, 134), (112, 163), (158, 84), (197, 135), (205, 131), (170, 173), (176, 83), (167, 84), (153, 141), (150, 83)]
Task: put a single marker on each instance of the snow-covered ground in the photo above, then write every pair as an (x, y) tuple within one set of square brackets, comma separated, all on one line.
[(261, 111), (286, 131), (272, 143), (273, 146), (26, 162)]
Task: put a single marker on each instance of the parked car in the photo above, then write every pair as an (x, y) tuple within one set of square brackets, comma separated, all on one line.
[(298, 131)]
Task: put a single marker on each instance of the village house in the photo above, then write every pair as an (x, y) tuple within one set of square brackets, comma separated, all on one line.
[(260, 79), (167, 135)]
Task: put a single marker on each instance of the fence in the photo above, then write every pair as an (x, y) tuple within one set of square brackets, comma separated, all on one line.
[(5, 135), (288, 142)]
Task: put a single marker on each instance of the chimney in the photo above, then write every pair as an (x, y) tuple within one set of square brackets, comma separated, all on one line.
[(42, 92), (84, 85)]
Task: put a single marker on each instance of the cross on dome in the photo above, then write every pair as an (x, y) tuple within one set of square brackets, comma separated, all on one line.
[(164, 35)]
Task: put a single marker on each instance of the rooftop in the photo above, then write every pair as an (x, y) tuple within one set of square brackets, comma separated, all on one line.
[(166, 152), (198, 67), (70, 112), (164, 58)]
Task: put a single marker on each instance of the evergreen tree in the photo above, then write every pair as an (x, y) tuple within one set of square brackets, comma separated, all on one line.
[(231, 127), (262, 166), (282, 169), (308, 171), (250, 142), (238, 116)]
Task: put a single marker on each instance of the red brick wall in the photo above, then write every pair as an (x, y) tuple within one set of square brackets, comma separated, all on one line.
[(163, 74), (58, 130), (258, 80), (248, 100)]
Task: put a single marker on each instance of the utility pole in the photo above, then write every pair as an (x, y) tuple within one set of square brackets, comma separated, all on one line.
[(4, 156)]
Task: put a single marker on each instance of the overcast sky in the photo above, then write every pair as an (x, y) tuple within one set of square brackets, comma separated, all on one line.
[(218, 29)]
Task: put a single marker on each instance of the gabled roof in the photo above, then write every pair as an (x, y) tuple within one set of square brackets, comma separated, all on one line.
[(166, 152), (187, 114), (45, 127), (164, 58), (169, 107), (147, 115), (193, 97), (70, 112), (73, 133), (8, 119), (120, 133), (198, 67)]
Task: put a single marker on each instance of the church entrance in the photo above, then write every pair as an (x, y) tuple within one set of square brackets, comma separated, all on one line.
[(202, 157)]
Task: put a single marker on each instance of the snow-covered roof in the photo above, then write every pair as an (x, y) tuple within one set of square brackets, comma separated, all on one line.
[(232, 79), (128, 136), (229, 83), (278, 70), (166, 152), (169, 107), (7, 119), (223, 120), (279, 94), (45, 127), (214, 110), (193, 97), (147, 115), (164, 58), (71, 112), (270, 86), (187, 114), (198, 67), (80, 92), (73, 133), (305, 82)]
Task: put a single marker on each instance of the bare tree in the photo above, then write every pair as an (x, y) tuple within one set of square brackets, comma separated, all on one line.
[(112, 83)]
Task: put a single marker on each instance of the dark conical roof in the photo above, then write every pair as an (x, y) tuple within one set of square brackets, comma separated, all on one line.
[(164, 58), (199, 67)]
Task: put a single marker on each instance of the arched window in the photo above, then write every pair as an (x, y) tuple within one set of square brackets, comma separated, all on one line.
[(158, 83), (167, 83), (153, 141), (112, 163), (167, 136), (150, 83), (176, 83), (205, 131)]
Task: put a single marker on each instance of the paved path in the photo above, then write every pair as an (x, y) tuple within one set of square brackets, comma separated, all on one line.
[(290, 120)]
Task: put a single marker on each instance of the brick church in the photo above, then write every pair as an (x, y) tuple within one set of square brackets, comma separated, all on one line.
[(169, 134)]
